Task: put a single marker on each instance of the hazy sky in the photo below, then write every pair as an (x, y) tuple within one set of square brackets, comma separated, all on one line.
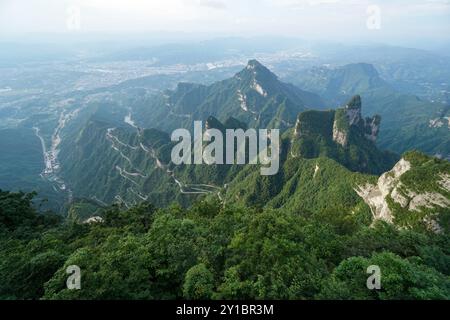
[(325, 19)]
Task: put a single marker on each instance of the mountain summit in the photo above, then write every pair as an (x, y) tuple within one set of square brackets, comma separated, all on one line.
[(354, 103), (349, 116), (255, 71), (254, 96), (341, 134)]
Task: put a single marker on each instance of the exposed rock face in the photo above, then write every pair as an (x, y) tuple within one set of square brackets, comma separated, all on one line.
[(349, 116), (426, 200), (372, 126), (257, 87), (340, 136), (242, 99), (353, 110), (317, 133), (375, 195), (436, 123), (354, 103), (297, 128), (316, 169), (445, 181), (389, 184), (94, 219), (439, 122)]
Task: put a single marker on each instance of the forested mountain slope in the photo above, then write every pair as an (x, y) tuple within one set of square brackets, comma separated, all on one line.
[(116, 162)]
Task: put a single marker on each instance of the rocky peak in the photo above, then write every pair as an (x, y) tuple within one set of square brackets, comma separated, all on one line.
[(353, 110), (354, 103), (258, 67), (256, 72), (350, 116), (317, 133)]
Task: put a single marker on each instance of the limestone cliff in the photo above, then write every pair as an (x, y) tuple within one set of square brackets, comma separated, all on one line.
[(342, 134), (400, 198), (350, 116)]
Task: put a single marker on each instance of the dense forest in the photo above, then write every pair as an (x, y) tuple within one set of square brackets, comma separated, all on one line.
[(213, 251)]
